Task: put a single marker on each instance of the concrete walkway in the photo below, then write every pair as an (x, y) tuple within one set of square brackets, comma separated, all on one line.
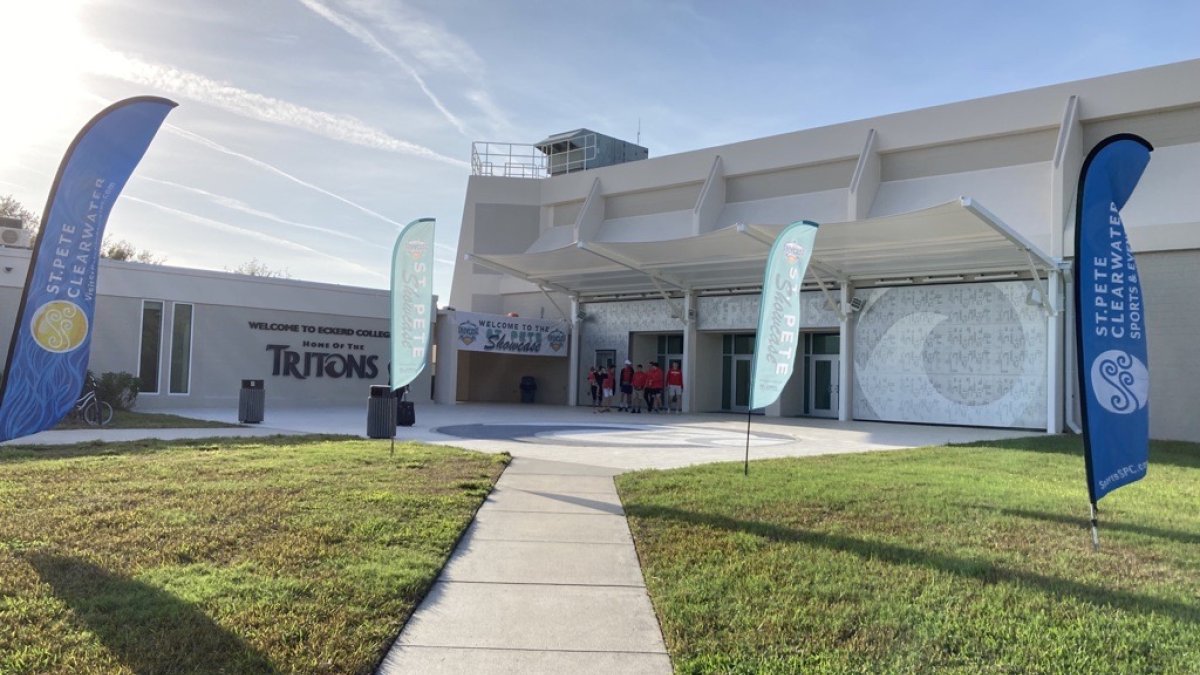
[(546, 580)]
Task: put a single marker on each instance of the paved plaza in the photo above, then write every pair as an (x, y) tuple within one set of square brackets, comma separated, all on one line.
[(546, 579)]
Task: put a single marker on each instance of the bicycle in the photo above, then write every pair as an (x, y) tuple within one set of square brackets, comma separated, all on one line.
[(94, 412)]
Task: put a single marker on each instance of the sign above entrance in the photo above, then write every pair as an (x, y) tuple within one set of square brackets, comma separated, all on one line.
[(510, 334)]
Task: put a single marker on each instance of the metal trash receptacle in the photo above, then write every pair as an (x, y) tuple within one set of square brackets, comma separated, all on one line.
[(528, 388), (251, 402), (381, 412)]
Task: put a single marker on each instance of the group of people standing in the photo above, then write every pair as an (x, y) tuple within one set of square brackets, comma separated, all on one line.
[(656, 390)]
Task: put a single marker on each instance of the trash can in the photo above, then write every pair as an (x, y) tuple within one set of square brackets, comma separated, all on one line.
[(406, 414), (528, 387), (381, 412), (251, 402)]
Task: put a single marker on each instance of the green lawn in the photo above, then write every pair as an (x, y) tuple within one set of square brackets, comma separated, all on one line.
[(129, 419), (231, 556), (970, 559)]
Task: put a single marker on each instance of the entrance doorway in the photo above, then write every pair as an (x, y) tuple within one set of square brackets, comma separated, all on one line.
[(737, 365), (823, 386), (739, 395), (822, 366)]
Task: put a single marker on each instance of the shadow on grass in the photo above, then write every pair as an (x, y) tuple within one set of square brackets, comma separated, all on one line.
[(146, 628), (967, 568), (1083, 524), (1171, 453), (18, 453)]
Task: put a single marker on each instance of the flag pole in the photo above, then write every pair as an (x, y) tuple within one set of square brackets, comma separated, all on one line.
[(746, 466), (1095, 529)]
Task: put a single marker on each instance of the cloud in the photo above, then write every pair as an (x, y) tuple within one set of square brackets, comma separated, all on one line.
[(177, 82), (240, 206), (253, 234), (364, 36)]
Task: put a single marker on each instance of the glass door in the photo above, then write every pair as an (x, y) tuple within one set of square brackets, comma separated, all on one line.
[(739, 394), (823, 386)]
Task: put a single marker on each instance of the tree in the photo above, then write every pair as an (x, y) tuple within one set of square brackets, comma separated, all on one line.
[(117, 250), (256, 268), (123, 250), (11, 208)]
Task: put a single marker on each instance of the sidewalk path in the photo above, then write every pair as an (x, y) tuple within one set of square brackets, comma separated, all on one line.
[(546, 580)]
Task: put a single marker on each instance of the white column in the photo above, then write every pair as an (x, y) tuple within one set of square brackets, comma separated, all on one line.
[(691, 315), (1054, 356), (846, 355), (445, 333), (573, 356)]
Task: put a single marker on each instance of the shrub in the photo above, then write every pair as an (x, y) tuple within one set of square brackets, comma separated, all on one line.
[(119, 390)]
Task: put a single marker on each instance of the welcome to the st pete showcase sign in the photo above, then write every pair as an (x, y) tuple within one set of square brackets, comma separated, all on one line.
[(510, 335)]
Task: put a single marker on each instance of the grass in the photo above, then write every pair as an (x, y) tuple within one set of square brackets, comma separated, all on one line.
[(128, 419), (270, 555), (970, 559)]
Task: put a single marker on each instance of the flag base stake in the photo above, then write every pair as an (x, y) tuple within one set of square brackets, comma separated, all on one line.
[(1095, 529)]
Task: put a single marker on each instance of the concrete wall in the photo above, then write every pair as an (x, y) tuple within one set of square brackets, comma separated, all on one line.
[(1169, 283)]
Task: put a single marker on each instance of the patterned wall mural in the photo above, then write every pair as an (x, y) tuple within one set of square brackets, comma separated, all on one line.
[(972, 354), (740, 312)]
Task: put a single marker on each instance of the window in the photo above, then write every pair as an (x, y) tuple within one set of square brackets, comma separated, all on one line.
[(181, 348), (151, 348)]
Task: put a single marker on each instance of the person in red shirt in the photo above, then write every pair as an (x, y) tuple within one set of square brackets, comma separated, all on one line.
[(654, 384), (675, 388), (639, 388), (627, 387)]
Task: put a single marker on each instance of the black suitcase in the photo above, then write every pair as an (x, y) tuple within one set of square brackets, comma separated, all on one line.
[(406, 416)]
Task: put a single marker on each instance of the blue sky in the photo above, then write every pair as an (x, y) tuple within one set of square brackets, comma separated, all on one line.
[(308, 131)]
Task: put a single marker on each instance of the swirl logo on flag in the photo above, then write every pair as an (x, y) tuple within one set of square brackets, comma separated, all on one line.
[(59, 326), (1120, 382)]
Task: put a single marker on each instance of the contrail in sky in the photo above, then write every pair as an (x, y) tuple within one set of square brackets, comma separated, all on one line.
[(360, 33), (213, 145), (238, 205), (257, 106), (276, 241)]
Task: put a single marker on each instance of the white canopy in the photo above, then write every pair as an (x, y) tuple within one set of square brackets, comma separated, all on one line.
[(959, 238)]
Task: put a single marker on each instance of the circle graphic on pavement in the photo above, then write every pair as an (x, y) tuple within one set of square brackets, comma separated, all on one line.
[(615, 435)]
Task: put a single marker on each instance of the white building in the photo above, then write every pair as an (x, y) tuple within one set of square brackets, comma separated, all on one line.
[(944, 252), (191, 336)]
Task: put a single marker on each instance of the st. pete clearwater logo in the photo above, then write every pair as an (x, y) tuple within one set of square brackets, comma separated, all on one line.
[(59, 326), (1120, 382)]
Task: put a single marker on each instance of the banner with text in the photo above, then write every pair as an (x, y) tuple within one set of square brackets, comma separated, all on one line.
[(412, 300), (779, 313), (510, 335), (1110, 329), (51, 343)]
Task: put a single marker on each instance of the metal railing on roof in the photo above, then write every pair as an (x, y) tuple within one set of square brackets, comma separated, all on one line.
[(521, 160), (513, 160)]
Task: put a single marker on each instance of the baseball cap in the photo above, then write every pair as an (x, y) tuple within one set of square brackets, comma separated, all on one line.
[(628, 362)]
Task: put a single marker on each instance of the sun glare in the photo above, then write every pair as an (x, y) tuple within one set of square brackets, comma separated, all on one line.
[(43, 56)]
